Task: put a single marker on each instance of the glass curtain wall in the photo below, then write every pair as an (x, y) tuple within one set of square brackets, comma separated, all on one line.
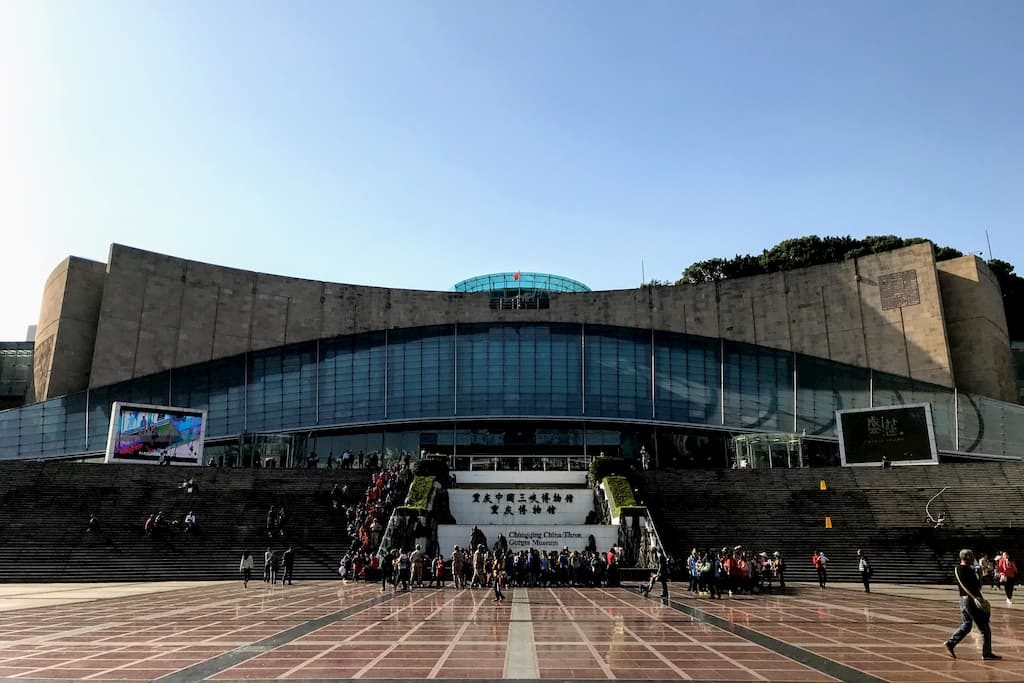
[(515, 371)]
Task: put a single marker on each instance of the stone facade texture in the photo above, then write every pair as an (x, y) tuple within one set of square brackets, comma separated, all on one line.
[(66, 332), (897, 312)]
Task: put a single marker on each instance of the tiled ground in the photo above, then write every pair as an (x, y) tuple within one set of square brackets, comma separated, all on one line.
[(326, 630)]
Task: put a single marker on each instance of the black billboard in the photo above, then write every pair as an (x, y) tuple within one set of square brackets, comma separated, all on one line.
[(901, 434)]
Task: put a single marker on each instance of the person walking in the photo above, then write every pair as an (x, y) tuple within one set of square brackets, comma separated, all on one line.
[(416, 557), (820, 564), (663, 571), (404, 571), (779, 569), (245, 566), (974, 609), (500, 581), (387, 570), (694, 571), (864, 567), (289, 566), (268, 558), (275, 568), (1007, 570), (988, 571), (457, 569), (439, 570), (479, 561)]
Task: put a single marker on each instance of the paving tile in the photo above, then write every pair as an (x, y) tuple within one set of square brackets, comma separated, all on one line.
[(578, 634)]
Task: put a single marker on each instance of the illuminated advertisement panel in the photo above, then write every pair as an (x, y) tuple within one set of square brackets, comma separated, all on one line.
[(154, 434), (901, 435)]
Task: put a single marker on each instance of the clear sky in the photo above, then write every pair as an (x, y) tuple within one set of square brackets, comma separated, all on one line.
[(413, 144)]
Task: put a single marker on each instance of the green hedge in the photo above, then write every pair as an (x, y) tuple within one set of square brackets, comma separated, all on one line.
[(632, 511), (419, 493), (620, 495), (606, 467)]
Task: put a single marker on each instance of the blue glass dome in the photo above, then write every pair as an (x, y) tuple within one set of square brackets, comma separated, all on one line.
[(518, 281)]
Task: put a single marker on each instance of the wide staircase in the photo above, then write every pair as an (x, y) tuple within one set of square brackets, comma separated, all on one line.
[(45, 509), (882, 511)]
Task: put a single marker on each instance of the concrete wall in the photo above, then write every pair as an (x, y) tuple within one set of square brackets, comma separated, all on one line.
[(66, 331), (883, 311), (976, 321)]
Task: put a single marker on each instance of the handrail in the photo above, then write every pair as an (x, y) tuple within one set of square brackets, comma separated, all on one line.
[(928, 504)]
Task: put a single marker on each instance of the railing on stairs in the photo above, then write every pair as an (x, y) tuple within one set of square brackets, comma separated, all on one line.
[(941, 519), (638, 535)]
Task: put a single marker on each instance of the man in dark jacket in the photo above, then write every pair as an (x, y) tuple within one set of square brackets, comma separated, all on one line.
[(289, 565), (971, 610)]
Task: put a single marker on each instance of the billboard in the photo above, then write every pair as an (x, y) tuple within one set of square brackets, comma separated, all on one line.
[(901, 434), (147, 434)]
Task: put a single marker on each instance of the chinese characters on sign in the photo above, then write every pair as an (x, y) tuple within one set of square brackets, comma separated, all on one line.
[(883, 426), (899, 289), (522, 504)]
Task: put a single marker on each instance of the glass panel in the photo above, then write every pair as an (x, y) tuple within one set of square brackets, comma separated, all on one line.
[(825, 387), (758, 387), (989, 426), (688, 448), (687, 378), (891, 390), (421, 372), (226, 408), (282, 388), (100, 402), (352, 379), (519, 369), (618, 372)]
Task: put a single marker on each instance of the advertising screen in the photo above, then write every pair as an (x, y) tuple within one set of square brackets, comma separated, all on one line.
[(151, 434), (900, 434)]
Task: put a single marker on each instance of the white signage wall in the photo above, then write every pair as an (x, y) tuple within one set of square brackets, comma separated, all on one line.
[(523, 537), (520, 506)]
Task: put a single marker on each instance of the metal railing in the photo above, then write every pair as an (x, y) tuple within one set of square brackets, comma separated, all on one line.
[(519, 463)]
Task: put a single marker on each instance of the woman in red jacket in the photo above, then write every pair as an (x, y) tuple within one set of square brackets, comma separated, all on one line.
[(1006, 569)]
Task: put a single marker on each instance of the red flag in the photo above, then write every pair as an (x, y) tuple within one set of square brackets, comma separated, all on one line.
[(515, 276)]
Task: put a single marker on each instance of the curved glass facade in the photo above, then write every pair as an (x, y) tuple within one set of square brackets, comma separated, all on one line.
[(505, 282), (497, 373)]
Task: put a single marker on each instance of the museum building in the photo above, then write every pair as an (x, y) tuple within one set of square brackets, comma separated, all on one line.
[(518, 364)]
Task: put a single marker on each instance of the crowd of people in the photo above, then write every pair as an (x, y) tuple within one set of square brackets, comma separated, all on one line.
[(486, 568), (158, 522), (733, 571), (998, 574), (366, 521), (277, 565)]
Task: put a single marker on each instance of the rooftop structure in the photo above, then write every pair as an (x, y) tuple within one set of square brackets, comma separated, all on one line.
[(519, 281)]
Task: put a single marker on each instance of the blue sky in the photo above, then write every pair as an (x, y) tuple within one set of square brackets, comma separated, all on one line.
[(413, 144)]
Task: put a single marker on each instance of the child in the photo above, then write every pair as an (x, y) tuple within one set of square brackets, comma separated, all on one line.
[(500, 581)]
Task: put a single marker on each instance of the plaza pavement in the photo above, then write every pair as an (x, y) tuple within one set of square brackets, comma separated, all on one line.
[(323, 630)]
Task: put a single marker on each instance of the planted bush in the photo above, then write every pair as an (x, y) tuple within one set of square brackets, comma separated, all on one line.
[(419, 493), (620, 495)]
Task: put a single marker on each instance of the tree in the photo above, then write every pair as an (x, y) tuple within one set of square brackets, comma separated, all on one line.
[(800, 252), (1013, 296)]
